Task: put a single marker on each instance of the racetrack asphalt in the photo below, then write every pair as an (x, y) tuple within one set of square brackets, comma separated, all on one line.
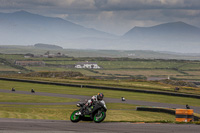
[(56, 126)]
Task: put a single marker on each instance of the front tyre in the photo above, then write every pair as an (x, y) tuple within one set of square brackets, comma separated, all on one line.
[(74, 117), (99, 117)]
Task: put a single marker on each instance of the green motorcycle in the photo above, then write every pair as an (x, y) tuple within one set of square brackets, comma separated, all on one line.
[(96, 112)]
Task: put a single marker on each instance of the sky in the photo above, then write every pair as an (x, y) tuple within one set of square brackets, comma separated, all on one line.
[(112, 16)]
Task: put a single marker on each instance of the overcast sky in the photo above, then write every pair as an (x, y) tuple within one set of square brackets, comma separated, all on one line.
[(112, 16)]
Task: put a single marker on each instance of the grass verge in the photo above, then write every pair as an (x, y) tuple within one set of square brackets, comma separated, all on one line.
[(116, 113), (23, 98)]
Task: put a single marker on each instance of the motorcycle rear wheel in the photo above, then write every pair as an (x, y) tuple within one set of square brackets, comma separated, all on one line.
[(75, 118), (99, 117)]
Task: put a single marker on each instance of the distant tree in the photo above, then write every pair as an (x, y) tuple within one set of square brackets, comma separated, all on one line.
[(47, 53)]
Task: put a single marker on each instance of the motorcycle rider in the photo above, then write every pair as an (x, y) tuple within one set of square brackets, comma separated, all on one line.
[(94, 98)]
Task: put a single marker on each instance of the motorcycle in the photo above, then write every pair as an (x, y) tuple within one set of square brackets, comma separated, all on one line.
[(96, 112)]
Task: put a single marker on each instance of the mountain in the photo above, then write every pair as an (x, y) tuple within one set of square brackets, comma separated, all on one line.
[(174, 30), (175, 36), (24, 28)]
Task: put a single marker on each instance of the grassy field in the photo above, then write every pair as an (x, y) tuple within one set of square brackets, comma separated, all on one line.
[(61, 69), (12, 56), (129, 84), (22, 98), (149, 68), (158, 72), (195, 73), (112, 68), (188, 77), (7, 68), (191, 66), (89, 92), (116, 112), (151, 64), (133, 64), (44, 69)]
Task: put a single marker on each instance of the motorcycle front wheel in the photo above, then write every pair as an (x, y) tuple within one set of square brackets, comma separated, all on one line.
[(99, 117), (74, 117)]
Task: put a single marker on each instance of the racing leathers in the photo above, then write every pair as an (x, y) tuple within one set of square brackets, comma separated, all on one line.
[(88, 104), (93, 99)]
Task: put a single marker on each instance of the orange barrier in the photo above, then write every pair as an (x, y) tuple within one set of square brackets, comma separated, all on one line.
[(184, 115)]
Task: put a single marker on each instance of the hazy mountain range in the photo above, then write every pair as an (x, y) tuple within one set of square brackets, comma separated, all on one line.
[(176, 36), (24, 28)]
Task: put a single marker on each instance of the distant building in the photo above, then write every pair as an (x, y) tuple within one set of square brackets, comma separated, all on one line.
[(89, 65), (30, 63)]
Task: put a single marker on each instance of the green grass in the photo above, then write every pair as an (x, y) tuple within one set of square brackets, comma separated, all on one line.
[(23, 98), (7, 68), (12, 56), (36, 112), (63, 112), (114, 83), (58, 69), (45, 68), (61, 62), (191, 66), (129, 84), (137, 116), (120, 106), (148, 64), (108, 93), (188, 77), (157, 72), (195, 73), (139, 64)]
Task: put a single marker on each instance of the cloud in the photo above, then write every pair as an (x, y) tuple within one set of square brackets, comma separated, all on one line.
[(105, 5), (116, 5), (100, 3), (64, 5), (182, 13)]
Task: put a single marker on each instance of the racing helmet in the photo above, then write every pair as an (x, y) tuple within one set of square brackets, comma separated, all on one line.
[(100, 96)]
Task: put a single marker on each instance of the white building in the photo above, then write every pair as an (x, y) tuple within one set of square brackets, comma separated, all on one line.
[(89, 65)]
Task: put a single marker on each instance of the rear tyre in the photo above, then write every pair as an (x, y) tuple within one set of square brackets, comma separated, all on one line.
[(75, 118), (99, 117)]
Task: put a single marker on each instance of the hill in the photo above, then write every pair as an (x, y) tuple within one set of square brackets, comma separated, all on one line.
[(47, 46), (175, 31), (24, 28), (176, 36)]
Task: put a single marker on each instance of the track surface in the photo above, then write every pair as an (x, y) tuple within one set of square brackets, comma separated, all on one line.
[(52, 126)]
